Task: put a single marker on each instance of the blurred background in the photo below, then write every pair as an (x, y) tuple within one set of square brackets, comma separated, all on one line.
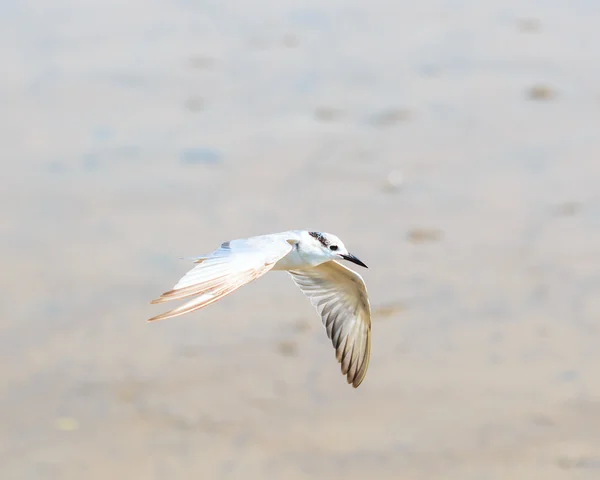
[(453, 145)]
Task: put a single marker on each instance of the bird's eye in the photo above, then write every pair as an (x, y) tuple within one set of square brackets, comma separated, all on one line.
[(333, 247)]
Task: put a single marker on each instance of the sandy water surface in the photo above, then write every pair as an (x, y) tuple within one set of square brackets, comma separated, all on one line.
[(453, 145)]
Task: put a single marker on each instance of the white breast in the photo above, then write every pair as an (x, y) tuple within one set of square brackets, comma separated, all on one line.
[(291, 261)]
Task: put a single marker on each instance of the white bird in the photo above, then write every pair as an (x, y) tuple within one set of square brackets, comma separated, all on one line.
[(311, 258)]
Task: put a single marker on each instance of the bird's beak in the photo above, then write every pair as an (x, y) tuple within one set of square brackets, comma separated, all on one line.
[(353, 259)]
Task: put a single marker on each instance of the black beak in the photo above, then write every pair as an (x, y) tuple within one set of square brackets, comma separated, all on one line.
[(353, 259)]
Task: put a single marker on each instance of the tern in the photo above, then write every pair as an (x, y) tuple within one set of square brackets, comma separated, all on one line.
[(313, 260)]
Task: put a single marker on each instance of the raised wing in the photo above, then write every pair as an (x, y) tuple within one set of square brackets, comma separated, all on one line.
[(233, 265), (340, 296)]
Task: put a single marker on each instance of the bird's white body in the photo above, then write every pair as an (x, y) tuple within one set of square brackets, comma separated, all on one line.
[(304, 254), (311, 258)]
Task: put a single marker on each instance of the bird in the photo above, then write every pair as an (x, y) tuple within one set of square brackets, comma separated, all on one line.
[(312, 259)]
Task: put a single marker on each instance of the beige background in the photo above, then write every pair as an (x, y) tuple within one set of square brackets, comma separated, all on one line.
[(453, 145)]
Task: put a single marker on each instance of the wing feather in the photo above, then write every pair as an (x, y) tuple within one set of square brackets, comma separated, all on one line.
[(340, 296), (233, 265)]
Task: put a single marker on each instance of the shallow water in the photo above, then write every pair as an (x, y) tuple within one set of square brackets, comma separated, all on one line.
[(453, 146)]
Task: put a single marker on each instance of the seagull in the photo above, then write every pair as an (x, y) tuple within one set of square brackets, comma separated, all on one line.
[(312, 259)]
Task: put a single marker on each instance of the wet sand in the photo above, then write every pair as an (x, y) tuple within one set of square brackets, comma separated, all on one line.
[(453, 146)]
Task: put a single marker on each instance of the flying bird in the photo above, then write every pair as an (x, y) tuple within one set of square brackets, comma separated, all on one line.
[(313, 260)]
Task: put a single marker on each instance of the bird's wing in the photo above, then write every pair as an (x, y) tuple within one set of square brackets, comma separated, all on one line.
[(233, 265), (340, 296)]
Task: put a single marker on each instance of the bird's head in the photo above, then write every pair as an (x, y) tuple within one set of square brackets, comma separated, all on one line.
[(330, 247)]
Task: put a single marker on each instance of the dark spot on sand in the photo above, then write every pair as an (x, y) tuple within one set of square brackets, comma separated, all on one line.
[(328, 114), (194, 104), (423, 235), (287, 348), (390, 117), (567, 209), (541, 93), (528, 25), (389, 310)]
